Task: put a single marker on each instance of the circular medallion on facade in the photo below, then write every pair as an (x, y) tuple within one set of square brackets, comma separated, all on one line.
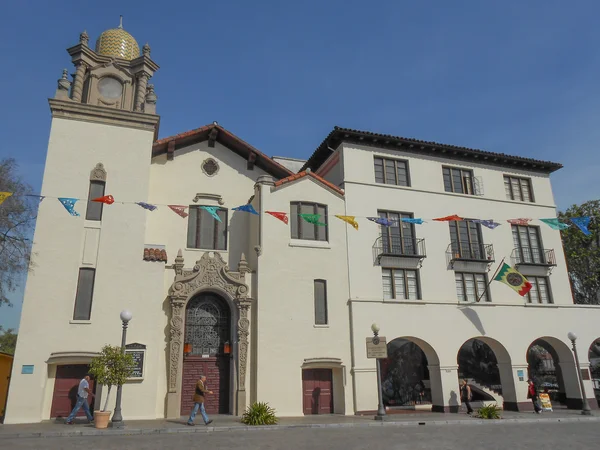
[(210, 167), (514, 279), (376, 341), (110, 87)]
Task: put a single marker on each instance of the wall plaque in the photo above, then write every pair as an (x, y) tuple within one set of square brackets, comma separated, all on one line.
[(138, 352), (377, 347)]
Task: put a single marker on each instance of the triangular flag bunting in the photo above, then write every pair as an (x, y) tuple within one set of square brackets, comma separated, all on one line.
[(448, 218), (514, 279), (179, 210), (409, 220), (555, 224), (381, 221), (486, 223), (519, 221), (4, 196), (279, 215), (313, 218), (582, 223), (69, 204), (246, 208), (147, 206), (212, 210), (349, 219), (39, 197), (108, 199)]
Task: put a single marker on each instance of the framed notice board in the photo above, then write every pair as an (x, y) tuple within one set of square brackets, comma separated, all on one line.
[(138, 352)]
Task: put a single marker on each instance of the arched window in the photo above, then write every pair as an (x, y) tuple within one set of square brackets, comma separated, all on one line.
[(207, 325), (97, 188)]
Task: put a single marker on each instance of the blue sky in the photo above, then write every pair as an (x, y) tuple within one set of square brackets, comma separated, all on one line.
[(500, 76)]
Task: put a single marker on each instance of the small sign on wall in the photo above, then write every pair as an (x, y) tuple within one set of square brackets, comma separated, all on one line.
[(585, 374), (27, 370), (138, 352), (521, 375), (376, 347)]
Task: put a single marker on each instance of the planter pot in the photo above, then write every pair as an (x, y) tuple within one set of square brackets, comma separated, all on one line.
[(101, 419)]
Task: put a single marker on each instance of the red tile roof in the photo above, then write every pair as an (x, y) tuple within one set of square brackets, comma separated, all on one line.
[(313, 175), (155, 254)]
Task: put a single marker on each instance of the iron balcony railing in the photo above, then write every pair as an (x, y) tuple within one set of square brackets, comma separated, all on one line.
[(465, 251), (409, 247), (533, 256)]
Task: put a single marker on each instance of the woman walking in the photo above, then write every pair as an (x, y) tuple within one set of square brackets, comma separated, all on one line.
[(466, 396)]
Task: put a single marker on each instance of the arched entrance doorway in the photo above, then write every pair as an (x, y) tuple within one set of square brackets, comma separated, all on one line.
[(410, 375), (594, 356), (486, 365), (207, 351), (552, 367)]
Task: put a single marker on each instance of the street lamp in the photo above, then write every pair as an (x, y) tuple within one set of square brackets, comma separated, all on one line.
[(380, 409), (117, 419), (586, 411)]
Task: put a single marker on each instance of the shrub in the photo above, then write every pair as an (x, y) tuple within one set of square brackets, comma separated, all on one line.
[(489, 412), (111, 368), (259, 413)]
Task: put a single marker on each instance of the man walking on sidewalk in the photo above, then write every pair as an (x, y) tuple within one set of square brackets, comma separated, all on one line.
[(199, 402), (82, 394)]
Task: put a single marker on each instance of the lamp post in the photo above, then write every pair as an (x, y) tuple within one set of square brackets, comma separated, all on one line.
[(380, 409), (586, 411), (117, 419)]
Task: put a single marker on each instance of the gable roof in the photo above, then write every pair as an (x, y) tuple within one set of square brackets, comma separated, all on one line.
[(308, 173), (339, 135), (216, 133)]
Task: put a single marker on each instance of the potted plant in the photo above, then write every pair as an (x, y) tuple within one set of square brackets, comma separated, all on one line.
[(111, 368)]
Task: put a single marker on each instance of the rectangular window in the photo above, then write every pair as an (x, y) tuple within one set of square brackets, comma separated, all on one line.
[(528, 243), (518, 189), (391, 171), (206, 232), (85, 292), (466, 240), (458, 180), (320, 302), (471, 286), (400, 284), (301, 229), (399, 238), (94, 209), (540, 290)]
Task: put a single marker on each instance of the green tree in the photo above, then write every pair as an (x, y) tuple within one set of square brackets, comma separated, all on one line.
[(583, 253), (8, 340), (111, 368), (17, 218)]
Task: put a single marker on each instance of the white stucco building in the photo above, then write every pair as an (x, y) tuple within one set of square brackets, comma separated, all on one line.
[(273, 311)]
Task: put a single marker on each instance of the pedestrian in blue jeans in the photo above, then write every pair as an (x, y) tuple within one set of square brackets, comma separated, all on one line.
[(199, 394), (82, 394)]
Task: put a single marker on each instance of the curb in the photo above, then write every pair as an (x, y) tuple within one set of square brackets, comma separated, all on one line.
[(190, 430)]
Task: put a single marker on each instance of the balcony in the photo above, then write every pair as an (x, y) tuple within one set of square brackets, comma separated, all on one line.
[(470, 252), (397, 247), (526, 256)]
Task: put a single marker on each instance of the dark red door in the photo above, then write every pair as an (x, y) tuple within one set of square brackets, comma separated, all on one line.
[(216, 371), (317, 388), (66, 385)]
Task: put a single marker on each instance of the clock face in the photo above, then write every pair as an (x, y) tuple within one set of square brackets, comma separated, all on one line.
[(110, 88)]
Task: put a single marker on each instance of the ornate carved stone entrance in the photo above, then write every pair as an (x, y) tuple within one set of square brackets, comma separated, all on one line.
[(210, 273)]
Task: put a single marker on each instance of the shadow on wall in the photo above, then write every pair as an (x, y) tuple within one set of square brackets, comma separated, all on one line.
[(473, 318), (239, 232), (453, 403)]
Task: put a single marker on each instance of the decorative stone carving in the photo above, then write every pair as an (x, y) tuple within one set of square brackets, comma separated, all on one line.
[(214, 197), (151, 95), (84, 38), (146, 50), (78, 84), (63, 83), (210, 272), (210, 167), (98, 173)]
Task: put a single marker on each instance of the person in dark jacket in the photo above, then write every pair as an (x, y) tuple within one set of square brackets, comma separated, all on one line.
[(533, 395), (466, 395), (199, 394)]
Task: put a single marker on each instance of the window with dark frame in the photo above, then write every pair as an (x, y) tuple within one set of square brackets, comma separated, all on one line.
[(458, 180), (401, 284), (392, 171), (301, 229), (94, 209), (471, 286), (540, 290), (399, 238), (320, 289), (527, 241), (466, 240), (518, 188), (84, 295), (206, 232)]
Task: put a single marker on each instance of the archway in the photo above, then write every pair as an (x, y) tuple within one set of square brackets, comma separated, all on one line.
[(552, 368), (206, 351), (410, 375), (486, 365), (594, 357)]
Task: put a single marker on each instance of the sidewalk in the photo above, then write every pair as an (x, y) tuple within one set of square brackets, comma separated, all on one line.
[(230, 423)]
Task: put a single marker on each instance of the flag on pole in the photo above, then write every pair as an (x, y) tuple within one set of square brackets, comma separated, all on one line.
[(279, 215), (513, 279), (349, 219)]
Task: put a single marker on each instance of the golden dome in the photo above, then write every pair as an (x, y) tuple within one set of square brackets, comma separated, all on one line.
[(117, 43)]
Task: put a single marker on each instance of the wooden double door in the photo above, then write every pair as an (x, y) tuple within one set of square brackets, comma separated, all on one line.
[(216, 371), (317, 388), (66, 385)]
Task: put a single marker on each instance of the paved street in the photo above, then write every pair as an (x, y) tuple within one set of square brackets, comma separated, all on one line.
[(448, 437)]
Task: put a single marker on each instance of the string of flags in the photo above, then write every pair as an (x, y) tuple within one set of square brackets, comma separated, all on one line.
[(582, 223)]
